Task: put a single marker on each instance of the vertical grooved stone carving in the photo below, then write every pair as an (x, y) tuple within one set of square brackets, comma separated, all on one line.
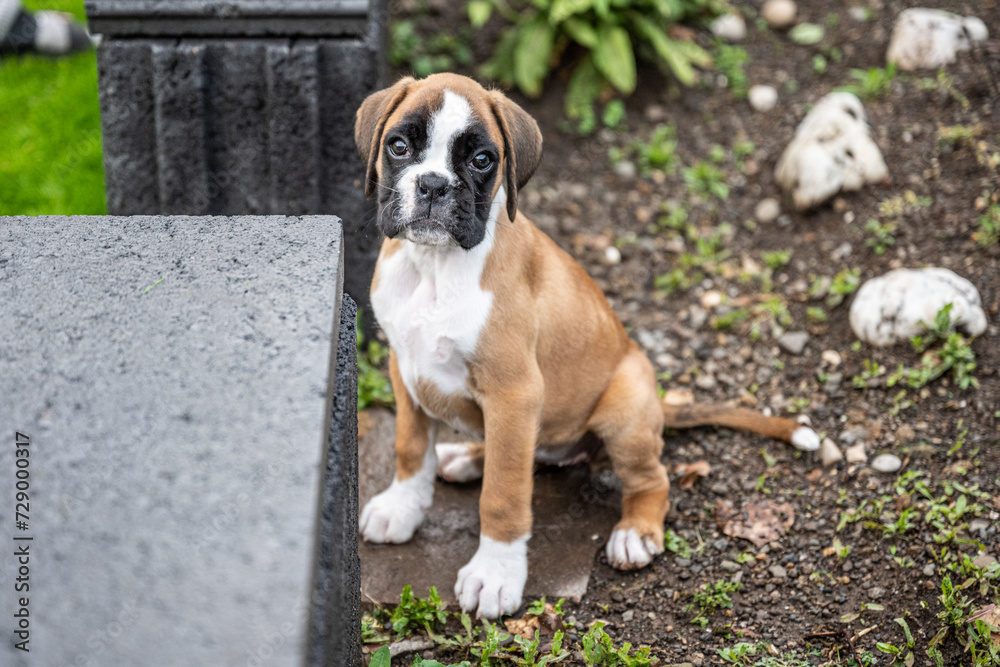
[(236, 124), (126, 98), (181, 156), (293, 127)]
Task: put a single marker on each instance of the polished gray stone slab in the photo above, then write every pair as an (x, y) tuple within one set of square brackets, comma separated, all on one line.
[(174, 376)]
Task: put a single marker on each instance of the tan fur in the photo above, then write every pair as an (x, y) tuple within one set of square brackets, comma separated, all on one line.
[(553, 361)]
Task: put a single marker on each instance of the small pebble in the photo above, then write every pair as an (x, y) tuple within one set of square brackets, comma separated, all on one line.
[(830, 453), (778, 572), (762, 98), (730, 27), (612, 256), (929, 570), (628, 615), (794, 342), (886, 463), (856, 453), (779, 14), (730, 566), (767, 210), (859, 14), (625, 169), (984, 561)]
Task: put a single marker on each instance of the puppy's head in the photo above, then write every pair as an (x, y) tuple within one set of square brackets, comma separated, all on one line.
[(444, 155)]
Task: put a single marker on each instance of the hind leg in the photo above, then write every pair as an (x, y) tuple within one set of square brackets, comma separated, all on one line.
[(629, 420)]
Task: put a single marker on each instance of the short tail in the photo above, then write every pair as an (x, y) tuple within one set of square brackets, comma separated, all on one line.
[(702, 414)]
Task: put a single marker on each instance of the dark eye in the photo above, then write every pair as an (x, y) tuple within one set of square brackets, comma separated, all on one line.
[(482, 162), (399, 148)]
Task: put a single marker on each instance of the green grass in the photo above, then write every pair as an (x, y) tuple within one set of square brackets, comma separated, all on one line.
[(50, 131)]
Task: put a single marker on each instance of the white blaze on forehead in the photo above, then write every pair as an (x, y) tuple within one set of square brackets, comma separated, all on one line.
[(446, 123)]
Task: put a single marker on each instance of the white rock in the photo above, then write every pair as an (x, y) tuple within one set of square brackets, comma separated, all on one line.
[(831, 357), (830, 453), (856, 453), (886, 463), (779, 13), (762, 98), (612, 256), (930, 38), (831, 151), (767, 210), (730, 27), (900, 305)]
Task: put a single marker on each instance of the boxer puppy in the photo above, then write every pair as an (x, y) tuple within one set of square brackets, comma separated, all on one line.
[(497, 332)]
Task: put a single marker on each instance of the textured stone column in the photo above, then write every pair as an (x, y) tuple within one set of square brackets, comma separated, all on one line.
[(232, 107)]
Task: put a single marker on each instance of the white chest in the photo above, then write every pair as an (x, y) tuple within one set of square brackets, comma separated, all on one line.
[(432, 308)]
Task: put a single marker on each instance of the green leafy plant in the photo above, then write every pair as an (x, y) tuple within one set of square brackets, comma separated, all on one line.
[(710, 251), (414, 613), (425, 55), (731, 62), (674, 543), (955, 355), (710, 598), (374, 387), (776, 259), (872, 83), (902, 655), (989, 227), (844, 283), (609, 33), (381, 658), (880, 235), (599, 650), (705, 180), (816, 314), (660, 152)]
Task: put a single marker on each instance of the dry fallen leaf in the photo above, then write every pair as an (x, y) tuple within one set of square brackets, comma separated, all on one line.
[(989, 614), (546, 624), (690, 472), (759, 523), (523, 627)]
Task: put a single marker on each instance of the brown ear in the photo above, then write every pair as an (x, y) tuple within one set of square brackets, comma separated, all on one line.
[(522, 146), (368, 128)]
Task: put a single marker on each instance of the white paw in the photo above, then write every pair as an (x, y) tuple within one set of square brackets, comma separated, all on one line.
[(627, 551), (394, 514), (805, 439), (493, 581), (455, 464)]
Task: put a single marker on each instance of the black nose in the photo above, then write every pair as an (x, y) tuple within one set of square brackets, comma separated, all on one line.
[(432, 185)]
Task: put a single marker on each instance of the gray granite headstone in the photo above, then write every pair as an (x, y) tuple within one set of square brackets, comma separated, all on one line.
[(174, 376)]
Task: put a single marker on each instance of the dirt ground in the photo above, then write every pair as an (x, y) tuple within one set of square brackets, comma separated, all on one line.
[(793, 586)]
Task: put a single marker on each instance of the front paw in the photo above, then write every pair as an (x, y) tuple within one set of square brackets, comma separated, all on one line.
[(493, 581), (393, 515), (628, 550)]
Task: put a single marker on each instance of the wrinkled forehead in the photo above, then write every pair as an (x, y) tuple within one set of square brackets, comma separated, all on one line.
[(449, 110)]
